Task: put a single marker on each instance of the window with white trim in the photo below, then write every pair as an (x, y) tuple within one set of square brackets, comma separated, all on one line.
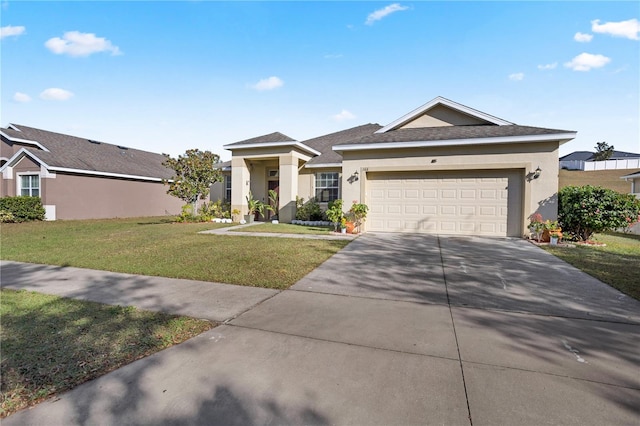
[(227, 188), (30, 185), (327, 186)]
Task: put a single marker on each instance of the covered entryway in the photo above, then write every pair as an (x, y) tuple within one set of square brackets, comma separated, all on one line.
[(474, 202)]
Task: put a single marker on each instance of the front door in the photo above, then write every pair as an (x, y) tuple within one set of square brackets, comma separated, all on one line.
[(275, 186)]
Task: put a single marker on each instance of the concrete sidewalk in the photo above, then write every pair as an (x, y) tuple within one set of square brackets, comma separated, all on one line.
[(233, 230), (394, 329), (198, 299)]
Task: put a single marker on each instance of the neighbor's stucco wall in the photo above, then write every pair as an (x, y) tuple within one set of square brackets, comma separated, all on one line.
[(89, 197), (539, 195)]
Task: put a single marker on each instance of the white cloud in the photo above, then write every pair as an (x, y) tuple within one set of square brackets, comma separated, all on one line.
[(56, 94), (586, 61), (548, 66), (75, 43), (344, 115), (21, 97), (516, 76), (9, 31), (582, 38), (270, 83), (384, 12), (627, 29)]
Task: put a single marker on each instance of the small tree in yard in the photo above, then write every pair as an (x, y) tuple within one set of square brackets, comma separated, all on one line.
[(603, 151), (194, 174), (584, 210)]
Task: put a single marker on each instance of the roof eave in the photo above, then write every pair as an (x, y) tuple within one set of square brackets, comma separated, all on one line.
[(26, 141), (561, 137), (322, 165), (299, 145)]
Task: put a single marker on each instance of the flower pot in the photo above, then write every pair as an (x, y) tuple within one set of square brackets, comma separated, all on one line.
[(351, 228), (553, 240), (343, 230), (248, 218)]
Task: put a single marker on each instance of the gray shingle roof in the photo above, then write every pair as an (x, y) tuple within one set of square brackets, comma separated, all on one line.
[(72, 152), (588, 156), (323, 144), (452, 133), (271, 137)]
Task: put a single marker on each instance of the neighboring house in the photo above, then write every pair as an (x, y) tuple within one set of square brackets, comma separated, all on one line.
[(80, 178), (442, 168), (584, 160), (634, 178)]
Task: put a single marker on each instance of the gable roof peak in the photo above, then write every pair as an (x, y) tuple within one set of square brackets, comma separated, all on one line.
[(437, 101)]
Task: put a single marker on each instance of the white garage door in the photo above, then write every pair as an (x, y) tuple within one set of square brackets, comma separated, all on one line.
[(468, 203)]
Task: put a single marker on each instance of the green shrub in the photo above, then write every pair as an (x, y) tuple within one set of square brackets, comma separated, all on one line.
[(22, 208), (214, 210), (584, 210), (309, 210)]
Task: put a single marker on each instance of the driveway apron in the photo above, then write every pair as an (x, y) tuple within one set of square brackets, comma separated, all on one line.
[(394, 329)]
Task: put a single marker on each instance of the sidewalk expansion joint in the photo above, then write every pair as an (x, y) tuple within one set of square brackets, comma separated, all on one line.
[(226, 322), (455, 334), (546, 373), (339, 342)]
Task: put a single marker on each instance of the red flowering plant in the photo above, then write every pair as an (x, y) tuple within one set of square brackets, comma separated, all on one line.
[(537, 225)]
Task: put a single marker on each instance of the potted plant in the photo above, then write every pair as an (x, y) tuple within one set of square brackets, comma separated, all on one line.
[(554, 231), (273, 205), (254, 206), (359, 212), (235, 214), (343, 225), (536, 226), (335, 214)]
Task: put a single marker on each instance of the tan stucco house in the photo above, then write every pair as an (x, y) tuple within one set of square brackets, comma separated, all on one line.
[(442, 168), (80, 178)]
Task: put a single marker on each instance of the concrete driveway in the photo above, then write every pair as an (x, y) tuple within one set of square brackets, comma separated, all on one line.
[(394, 329)]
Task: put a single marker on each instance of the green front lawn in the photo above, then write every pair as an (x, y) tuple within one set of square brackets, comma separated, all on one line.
[(51, 344), (154, 246), (617, 263)]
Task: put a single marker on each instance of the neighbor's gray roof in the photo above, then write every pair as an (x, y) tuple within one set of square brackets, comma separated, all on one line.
[(452, 133), (588, 156), (323, 144), (71, 152), (271, 137)]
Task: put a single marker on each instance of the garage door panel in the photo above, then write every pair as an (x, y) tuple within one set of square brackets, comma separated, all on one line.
[(465, 202)]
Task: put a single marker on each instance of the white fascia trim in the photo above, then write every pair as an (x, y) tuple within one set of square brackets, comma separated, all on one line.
[(18, 155), (322, 165), (631, 176), (443, 101), (476, 141), (28, 142), (271, 145), (106, 174)]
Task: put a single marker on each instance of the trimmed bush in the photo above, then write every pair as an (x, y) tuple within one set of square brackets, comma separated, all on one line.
[(21, 209), (584, 210)]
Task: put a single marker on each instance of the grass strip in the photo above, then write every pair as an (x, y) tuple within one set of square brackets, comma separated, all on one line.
[(285, 228), (52, 344), (617, 263), (152, 246)]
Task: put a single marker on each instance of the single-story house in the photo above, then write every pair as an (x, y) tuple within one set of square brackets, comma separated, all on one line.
[(79, 178), (634, 178), (585, 160), (442, 168)]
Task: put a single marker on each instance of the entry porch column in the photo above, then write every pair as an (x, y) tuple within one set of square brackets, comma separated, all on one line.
[(240, 185), (288, 164)]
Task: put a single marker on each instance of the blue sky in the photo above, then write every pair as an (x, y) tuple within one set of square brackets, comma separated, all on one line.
[(170, 76)]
